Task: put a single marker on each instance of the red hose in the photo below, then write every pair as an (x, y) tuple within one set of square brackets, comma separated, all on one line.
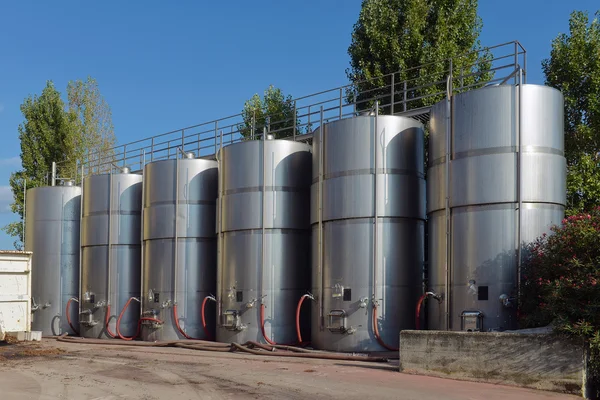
[(298, 333), (185, 335), (418, 312), (106, 321), (119, 322), (68, 316), (206, 333), (262, 325), (376, 332)]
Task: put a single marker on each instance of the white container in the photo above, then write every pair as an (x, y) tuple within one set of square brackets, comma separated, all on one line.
[(15, 291)]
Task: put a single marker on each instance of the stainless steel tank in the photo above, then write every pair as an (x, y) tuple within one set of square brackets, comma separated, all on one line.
[(179, 246), (264, 239), (52, 234), (367, 214), (495, 189), (110, 254)]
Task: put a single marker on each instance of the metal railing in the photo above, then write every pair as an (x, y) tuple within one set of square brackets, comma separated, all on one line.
[(408, 92)]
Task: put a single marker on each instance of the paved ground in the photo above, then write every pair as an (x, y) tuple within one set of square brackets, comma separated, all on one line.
[(54, 370)]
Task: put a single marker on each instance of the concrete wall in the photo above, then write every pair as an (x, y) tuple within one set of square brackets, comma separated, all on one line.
[(537, 361)]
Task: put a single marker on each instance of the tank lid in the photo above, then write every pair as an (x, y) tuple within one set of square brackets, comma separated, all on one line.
[(67, 182), (190, 155), (366, 113), (270, 137), (125, 170)]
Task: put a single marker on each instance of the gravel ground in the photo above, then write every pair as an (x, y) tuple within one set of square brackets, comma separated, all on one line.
[(56, 370)]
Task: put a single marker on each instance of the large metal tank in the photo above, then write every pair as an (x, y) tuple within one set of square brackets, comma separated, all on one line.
[(264, 239), (179, 247), (500, 198), (368, 212), (52, 234), (110, 254)]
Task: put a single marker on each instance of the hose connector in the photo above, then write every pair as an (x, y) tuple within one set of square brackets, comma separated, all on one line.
[(434, 296), (211, 298), (363, 302)]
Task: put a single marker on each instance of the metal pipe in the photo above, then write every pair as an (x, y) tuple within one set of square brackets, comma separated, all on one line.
[(519, 182), (263, 214), (448, 211), (176, 237), (320, 213), (142, 241), (53, 183), (109, 247), (219, 231), (24, 208), (375, 199)]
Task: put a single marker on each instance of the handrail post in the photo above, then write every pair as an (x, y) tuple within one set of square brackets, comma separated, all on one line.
[(392, 94), (341, 104), (216, 135), (294, 122)]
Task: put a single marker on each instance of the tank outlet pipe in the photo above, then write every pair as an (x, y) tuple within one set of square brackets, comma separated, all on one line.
[(298, 308), (420, 303), (118, 327), (176, 319), (107, 321), (376, 330), (206, 299), (68, 314)]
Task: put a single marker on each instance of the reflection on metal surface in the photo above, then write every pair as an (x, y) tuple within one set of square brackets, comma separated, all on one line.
[(179, 246), (52, 234), (348, 155), (488, 180), (264, 233)]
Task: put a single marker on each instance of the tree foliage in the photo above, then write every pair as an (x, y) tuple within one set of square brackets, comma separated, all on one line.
[(47, 134), (65, 134), (274, 111), (574, 69), (400, 35), (93, 124)]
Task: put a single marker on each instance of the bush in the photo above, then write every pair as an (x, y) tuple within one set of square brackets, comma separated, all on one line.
[(560, 281), (561, 277)]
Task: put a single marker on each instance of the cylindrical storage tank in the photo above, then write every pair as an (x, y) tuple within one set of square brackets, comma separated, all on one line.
[(52, 219), (179, 247), (494, 190), (264, 240), (110, 254), (367, 214)]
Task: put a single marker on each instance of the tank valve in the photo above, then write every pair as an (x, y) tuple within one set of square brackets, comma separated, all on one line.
[(506, 300), (363, 302), (166, 304), (46, 305)]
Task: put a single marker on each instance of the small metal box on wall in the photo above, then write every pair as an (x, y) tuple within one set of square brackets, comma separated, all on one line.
[(15, 291)]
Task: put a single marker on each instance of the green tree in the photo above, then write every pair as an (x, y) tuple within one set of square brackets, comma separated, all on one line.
[(400, 35), (274, 111), (47, 134), (93, 123), (574, 69)]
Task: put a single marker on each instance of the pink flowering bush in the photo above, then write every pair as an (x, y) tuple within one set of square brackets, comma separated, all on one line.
[(560, 281)]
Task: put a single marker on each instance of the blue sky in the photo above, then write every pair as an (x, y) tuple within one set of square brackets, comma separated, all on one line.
[(166, 65)]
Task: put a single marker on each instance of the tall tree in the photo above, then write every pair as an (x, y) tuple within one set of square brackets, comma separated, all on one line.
[(93, 123), (274, 111), (47, 134), (574, 69), (400, 35)]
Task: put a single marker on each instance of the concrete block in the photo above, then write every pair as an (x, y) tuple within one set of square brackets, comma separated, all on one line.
[(537, 361)]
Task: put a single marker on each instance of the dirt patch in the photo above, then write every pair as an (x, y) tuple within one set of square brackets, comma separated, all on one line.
[(22, 350), (10, 339)]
